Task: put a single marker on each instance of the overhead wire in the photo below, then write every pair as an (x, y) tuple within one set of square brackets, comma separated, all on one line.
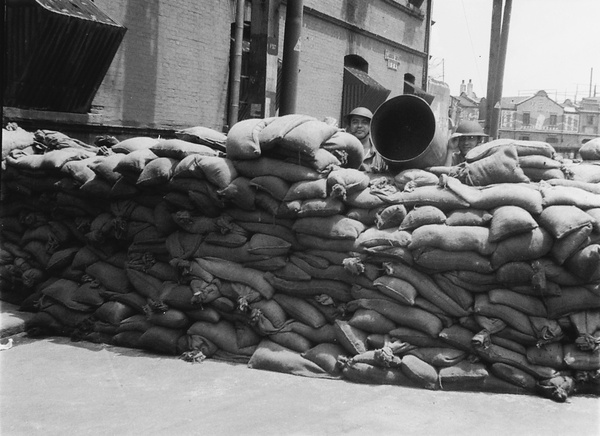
[(471, 41)]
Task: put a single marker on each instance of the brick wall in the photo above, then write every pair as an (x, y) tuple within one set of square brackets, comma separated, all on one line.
[(325, 41), (172, 67)]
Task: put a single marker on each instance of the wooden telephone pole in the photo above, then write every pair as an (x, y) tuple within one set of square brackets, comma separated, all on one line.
[(500, 27)]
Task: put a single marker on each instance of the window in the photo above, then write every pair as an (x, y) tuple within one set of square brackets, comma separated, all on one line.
[(552, 140), (409, 81), (524, 138), (590, 120), (526, 118), (553, 119)]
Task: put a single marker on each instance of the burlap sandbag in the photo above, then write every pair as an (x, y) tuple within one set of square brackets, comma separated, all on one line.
[(501, 165), (569, 196), (523, 148), (134, 144), (270, 356), (203, 135), (590, 150), (326, 355), (509, 221), (413, 178), (334, 227), (346, 147), (561, 220), (422, 215), (585, 263), (264, 166), (525, 246), (294, 132), (453, 238), (468, 217), (179, 149)]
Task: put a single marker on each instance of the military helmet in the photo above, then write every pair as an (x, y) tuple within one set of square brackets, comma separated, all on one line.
[(360, 112), (468, 128)]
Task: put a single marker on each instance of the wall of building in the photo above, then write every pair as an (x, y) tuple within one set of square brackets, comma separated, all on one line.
[(540, 110), (172, 67), (333, 29)]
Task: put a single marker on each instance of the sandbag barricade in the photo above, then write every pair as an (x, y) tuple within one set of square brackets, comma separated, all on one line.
[(289, 259)]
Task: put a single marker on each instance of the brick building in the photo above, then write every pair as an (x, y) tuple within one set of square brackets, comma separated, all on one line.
[(565, 126), (171, 69)]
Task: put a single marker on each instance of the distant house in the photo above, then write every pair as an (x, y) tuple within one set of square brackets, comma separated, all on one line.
[(540, 118), (467, 106), (589, 118)]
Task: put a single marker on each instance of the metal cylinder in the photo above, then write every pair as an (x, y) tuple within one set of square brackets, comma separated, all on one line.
[(403, 131)]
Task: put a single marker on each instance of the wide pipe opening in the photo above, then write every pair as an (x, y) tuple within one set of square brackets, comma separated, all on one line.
[(402, 128)]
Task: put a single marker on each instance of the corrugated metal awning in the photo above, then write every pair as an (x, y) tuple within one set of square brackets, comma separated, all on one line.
[(360, 89), (57, 53)]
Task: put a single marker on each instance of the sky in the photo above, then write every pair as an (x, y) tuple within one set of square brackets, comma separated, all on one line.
[(553, 45)]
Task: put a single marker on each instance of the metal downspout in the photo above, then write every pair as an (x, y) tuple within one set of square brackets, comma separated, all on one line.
[(236, 65), (291, 57)]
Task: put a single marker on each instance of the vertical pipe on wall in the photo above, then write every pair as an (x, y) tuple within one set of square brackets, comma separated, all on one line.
[(236, 64), (500, 73), (425, 76), (291, 57)]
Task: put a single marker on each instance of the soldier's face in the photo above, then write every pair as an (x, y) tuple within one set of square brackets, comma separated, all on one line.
[(467, 143), (359, 127)]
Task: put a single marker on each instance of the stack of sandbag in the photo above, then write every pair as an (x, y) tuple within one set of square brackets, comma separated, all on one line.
[(283, 255)]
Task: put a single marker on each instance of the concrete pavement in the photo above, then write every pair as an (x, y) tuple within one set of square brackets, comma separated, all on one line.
[(53, 386)]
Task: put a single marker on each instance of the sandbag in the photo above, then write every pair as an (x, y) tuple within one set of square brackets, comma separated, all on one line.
[(242, 139), (334, 227), (468, 217), (509, 221), (270, 356), (326, 355), (437, 260), (525, 246), (453, 238), (500, 165), (400, 314), (426, 288), (346, 147), (560, 220), (264, 166), (179, 149), (422, 215), (522, 147), (342, 181), (203, 135)]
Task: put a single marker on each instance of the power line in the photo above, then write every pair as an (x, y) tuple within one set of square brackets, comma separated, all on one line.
[(471, 40)]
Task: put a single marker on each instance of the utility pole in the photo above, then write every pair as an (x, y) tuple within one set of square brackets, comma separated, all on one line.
[(500, 21), (493, 62)]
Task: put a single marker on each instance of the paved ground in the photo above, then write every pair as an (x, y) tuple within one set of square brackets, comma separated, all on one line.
[(54, 386)]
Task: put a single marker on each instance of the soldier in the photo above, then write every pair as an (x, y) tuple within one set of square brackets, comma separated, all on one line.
[(467, 136), (358, 123)]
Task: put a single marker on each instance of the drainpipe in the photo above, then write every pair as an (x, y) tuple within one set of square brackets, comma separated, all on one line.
[(236, 64), (425, 75), (291, 57)]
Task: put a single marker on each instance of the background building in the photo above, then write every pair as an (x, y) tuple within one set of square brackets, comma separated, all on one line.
[(565, 126)]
